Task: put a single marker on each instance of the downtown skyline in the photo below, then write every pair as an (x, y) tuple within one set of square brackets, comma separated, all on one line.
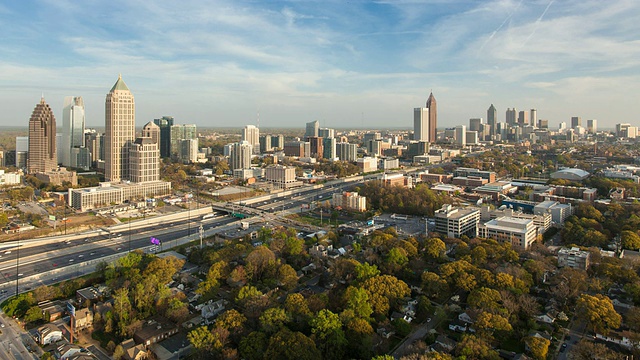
[(364, 64)]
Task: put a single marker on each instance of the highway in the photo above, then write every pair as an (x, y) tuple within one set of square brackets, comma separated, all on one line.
[(66, 255)]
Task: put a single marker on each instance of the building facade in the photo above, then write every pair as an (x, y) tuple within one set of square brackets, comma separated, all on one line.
[(350, 201), (144, 158), (456, 222), (421, 124), (433, 118), (240, 155), (42, 139), (120, 131), (165, 123), (251, 134), (73, 122), (179, 133), (520, 233), (282, 177)]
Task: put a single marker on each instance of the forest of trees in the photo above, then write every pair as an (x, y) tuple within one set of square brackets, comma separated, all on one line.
[(420, 200)]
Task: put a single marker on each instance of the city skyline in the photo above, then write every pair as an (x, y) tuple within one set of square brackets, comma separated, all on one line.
[(360, 65)]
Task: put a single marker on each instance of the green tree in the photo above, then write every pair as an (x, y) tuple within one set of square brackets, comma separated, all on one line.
[(598, 312), (473, 347), (202, 340), (356, 299), (273, 319), (630, 240), (485, 299), (33, 314), (538, 346), (247, 292), (384, 291), (231, 320), (288, 345), (253, 346), (434, 248), (287, 276), (365, 271)]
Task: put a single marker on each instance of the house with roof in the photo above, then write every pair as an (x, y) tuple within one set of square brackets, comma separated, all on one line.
[(133, 351), (66, 350), (155, 330), (84, 318), (48, 334)]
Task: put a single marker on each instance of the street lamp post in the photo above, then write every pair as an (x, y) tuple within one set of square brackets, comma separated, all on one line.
[(201, 235), (189, 217), (17, 265)]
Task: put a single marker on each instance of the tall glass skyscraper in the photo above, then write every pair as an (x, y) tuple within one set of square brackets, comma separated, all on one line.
[(73, 121)]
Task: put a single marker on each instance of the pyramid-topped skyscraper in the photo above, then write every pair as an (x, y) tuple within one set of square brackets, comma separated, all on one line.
[(120, 131)]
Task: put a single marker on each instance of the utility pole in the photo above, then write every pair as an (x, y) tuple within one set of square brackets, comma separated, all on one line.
[(18, 264), (201, 230)]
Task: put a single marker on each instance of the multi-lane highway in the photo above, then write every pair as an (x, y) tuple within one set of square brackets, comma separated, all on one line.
[(72, 251)]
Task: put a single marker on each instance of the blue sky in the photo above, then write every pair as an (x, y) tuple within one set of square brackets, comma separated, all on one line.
[(344, 63)]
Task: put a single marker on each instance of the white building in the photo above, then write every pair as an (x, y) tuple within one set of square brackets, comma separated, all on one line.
[(347, 152), (13, 178), (461, 135), (559, 212), (106, 194), (520, 233), (251, 134), (189, 151), (367, 164), (144, 159), (240, 155), (455, 222), (421, 124), (282, 177), (574, 258)]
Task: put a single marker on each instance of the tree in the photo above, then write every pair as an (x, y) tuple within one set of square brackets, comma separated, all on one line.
[(247, 292), (357, 300), (485, 299), (434, 248), (118, 352), (287, 276), (231, 320), (215, 273), (202, 340), (365, 271), (490, 321), (598, 312), (258, 261), (253, 346), (384, 291), (473, 347), (588, 350), (273, 319), (538, 346), (630, 240), (33, 314), (324, 323), (296, 304), (288, 345)]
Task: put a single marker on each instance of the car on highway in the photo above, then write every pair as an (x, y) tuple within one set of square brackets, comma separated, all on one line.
[(70, 260), (563, 347), (80, 255), (7, 252)]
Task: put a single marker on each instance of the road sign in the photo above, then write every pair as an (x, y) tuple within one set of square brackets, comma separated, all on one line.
[(52, 217)]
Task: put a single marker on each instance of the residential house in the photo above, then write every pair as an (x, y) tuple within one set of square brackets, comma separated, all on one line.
[(84, 319), (133, 351), (155, 330), (48, 334), (66, 350)]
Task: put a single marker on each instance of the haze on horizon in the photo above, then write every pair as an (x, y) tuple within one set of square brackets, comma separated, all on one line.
[(356, 64)]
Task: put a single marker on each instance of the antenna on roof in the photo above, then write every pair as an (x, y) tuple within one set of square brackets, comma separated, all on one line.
[(258, 126)]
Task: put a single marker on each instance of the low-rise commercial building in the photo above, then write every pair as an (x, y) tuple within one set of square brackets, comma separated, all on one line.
[(574, 258), (520, 233), (350, 201), (110, 194), (455, 222)]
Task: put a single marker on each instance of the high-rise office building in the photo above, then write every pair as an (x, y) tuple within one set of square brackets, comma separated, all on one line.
[(433, 118), (421, 124), (329, 146), (326, 133), (251, 134), (533, 117), (42, 155), (152, 130), (73, 121), (511, 116), (94, 141), (492, 119), (165, 123), (277, 141), (189, 151), (312, 129), (475, 124), (179, 133), (265, 143), (592, 126), (316, 147), (523, 118), (120, 131), (144, 158), (576, 121), (240, 155), (346, 151), (461, 135)]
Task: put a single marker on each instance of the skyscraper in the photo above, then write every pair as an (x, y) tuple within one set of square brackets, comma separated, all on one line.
[(179, 133), (312, 129), (73, 120), (576, 121), (533, 119), (145, 160), (152, 130), (592, 126), (42, 155), (492, 119), (251, 134), (511, 116), (165, 123), (421, 124), (120, 131), (240, 155), (523, 118), (433, 118)]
